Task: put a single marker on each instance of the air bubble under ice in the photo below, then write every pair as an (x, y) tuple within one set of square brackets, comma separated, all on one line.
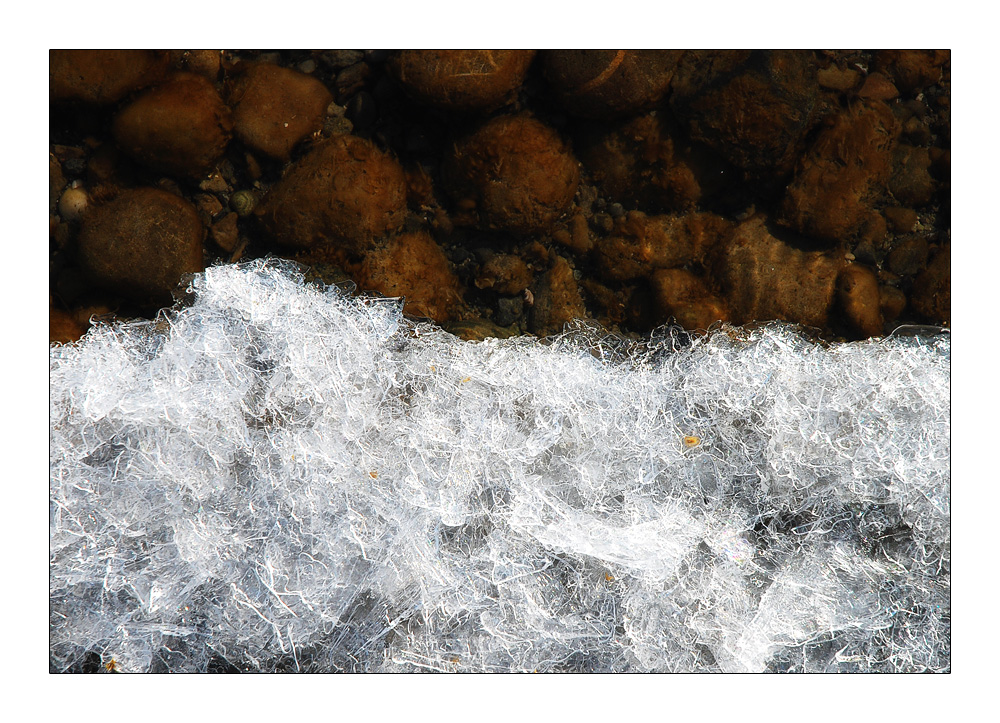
[(279, 476)]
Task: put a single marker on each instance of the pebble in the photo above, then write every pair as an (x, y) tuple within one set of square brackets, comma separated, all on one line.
[(609, 83), (338, 59), (518, 173), (556, 299), (476, 81), (346, 190), (858, 297), (412, 265), (911, 183), (181, 127), (752, 107), (504, 274), (841, 175), (275, 108), (103, 77), (225, 232), (931, 295), (909, 256), (637, 163), (763, 278), (900, 220), (680, 294), (350, 80), (141, 243)]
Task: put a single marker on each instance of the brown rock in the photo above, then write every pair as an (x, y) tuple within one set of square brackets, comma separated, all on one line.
[(753, 108), (900, 220), (858, 297), (103, 76), (765, 279), (412, 265), (345, 190), (275, 108), (516, 171), (843, 172), (834, 78), (609, 83), (206, 63), (461, 80), (931, 295), (180, 127), (63, 328), (912, 69), (505, 274), (911, 183), (893, 301), (141, 244), (684, 296), (640, 244), (556, 299), (225, 232), (639, 164), (909, 256), (878, 87)]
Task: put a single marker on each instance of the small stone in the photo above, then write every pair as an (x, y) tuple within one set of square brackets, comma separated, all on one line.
[(275, 108), (346, 190), (641, 244), (208, 205), (461, 80), (878, 87), (412, 265), (616, 210), (931, 296), (509, 309), (893, 301), (516, 171), (338, 59), (206, 63), (911, 183), (752, 107), (686, 297), (103, 77), (556, 298), (225, 232), (214, 183), (307, 66), (765, 279), (858, 297), (840, 176), (900, 220), (141, 243), (504, 274), (337, 126), (834, 78), (350, 80), (609, 83), (909, 256), (639, 163), (912, 70), (181, 127)]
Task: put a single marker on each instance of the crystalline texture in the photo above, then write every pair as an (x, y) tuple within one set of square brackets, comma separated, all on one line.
[(283, 477)]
